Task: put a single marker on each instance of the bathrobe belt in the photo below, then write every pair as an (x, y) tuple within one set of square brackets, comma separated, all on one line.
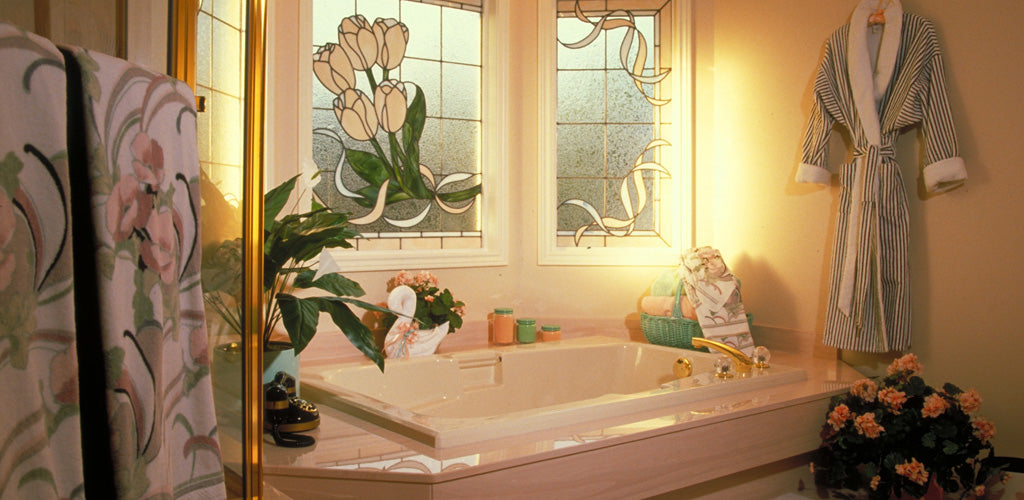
[(862, 229)]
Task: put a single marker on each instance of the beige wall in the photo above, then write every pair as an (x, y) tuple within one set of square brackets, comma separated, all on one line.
[(754, 66), (759, 59)]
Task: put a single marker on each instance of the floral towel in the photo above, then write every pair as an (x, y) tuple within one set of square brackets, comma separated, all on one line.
[(134, 159), (41, 456), (715, 294)]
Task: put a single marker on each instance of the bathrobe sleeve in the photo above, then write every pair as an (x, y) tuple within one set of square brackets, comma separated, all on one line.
[(813, 165), (944, 168)]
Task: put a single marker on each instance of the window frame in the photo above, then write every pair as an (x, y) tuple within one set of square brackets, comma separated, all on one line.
[(493, 203), (680, 207)]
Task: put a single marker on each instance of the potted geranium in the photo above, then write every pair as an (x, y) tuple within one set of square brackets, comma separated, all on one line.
[(292, 245), (428, 314), (901, 436)]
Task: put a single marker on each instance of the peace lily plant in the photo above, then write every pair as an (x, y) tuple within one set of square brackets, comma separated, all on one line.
[(292, 245)]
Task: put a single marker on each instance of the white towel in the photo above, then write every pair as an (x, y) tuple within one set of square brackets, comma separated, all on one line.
[(715, 295)]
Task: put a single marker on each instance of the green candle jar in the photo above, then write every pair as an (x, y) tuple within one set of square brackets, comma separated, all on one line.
[(526, 330)]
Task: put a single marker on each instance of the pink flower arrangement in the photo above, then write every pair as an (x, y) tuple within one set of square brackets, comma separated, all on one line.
[(433, 306), (897, 436)]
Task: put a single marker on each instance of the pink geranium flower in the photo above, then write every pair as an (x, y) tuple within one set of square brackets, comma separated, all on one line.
[(984, 429), (970, 401), (907, 364), (865, 389), (892, 398), (913, 470), (934, 405), (866, 425), (838, 416)]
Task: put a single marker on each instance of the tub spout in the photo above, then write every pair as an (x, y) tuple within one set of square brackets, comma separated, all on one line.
[(742, 361)]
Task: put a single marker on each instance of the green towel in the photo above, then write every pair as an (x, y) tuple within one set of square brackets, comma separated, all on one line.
[(666, 283)]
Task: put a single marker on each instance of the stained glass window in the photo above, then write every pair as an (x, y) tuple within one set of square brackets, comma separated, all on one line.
[(398, 119), (618, 170)]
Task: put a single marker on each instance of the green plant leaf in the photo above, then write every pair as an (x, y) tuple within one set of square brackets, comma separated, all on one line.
[(275, 199), (300, 318), (370, 167), (334, 283), (358, 333)]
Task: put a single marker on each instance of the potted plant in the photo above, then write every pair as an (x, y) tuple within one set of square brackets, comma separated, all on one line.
[(292, 243), (901, 436)]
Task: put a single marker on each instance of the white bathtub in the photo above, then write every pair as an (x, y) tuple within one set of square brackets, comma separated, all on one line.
[(448, 400)]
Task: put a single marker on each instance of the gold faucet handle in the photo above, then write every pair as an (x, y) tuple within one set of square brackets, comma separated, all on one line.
[(682, 368)]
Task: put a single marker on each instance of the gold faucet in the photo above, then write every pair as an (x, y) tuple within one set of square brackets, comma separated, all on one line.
[(742, 361)]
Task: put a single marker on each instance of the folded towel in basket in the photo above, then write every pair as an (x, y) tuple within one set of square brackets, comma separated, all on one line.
[(715, 295), (662, 306)]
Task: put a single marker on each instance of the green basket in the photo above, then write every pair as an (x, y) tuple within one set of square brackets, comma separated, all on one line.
[(675, 330)]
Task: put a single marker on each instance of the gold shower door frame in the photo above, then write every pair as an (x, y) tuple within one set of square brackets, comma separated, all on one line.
[(184, 66)]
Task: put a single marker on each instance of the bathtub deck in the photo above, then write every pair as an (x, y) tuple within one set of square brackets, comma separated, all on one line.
[(640, 456)]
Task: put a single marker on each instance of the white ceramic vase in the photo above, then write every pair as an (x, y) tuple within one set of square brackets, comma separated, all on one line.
[(404, 340)]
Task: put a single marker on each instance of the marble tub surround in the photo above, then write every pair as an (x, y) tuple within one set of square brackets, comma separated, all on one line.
[(634, 456)]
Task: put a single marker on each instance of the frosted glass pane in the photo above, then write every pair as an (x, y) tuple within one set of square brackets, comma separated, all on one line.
[(581, 96), (430, 143), (645, 25), (225, 129), (625, 102), (460, 96), (372, 9), (228, 11), (461, 146), (581, 150), (460, 38), (589, 190), (424, 23), (204, 43), (572, 30), (427, 76), (625, 142), (327, 15), (226, 70)]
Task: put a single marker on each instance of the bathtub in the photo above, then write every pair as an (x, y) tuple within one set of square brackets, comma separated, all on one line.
[(448, 400)]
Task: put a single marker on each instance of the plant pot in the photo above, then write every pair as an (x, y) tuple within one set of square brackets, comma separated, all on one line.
[(280, 357)]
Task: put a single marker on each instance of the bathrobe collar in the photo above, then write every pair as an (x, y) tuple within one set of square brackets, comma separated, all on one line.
[(868, 87)]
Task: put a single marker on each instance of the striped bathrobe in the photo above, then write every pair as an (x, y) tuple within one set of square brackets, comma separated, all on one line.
[(875, 99)]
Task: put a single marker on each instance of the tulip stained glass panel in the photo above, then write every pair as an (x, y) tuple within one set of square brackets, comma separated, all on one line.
[(397, 119), (615, 160)]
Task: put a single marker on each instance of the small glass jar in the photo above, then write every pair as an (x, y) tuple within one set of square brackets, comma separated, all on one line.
[(502, 325), (550, 333), (526, 330)]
